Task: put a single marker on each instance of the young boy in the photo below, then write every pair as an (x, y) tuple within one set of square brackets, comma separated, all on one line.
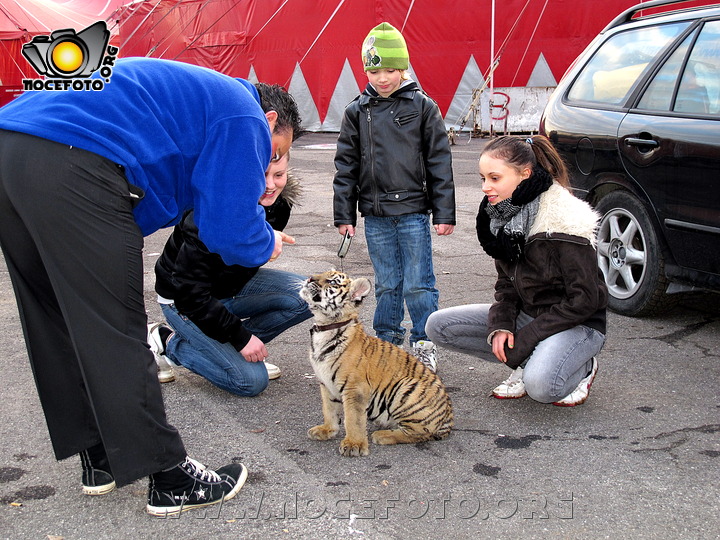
[(394, 164)]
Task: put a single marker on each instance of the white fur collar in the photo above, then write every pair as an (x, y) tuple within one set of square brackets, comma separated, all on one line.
[(561, 212)]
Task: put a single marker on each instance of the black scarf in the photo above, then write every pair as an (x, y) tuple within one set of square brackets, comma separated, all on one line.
[(504, 246)]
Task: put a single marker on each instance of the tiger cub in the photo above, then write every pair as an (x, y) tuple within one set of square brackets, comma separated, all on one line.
[(366, 377)]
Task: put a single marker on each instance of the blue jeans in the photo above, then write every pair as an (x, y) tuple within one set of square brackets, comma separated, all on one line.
[(400, 249), (551, 372), (269, 304)]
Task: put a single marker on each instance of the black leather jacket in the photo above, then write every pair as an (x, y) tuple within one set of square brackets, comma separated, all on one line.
[(196, 279), (393, 158)]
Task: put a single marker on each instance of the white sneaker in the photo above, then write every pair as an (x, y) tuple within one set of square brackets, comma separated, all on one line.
[(273, 371), (511, 388), (580, 394), (426, 352), (166, 373)]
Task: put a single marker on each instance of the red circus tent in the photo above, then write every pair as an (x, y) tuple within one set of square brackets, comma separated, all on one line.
[(313, 46)]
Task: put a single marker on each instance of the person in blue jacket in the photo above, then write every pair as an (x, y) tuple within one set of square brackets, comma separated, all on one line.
[(84, 175)]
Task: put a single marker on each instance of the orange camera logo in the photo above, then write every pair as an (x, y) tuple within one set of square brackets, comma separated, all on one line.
[(66, 54)]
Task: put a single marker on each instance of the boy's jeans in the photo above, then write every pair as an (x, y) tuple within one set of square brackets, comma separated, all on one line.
[(270, 304), (400, 249), (553, 370)]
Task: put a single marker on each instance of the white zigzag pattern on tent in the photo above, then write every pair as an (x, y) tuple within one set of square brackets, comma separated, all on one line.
[(306, 104), (347, 89)]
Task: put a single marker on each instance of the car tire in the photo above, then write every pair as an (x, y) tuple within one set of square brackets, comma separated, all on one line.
[(631, 257)]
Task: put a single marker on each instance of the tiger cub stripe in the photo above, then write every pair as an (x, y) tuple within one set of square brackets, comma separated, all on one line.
[(366, 378)]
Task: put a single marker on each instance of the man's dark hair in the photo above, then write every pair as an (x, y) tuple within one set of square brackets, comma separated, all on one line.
[(274, 97)]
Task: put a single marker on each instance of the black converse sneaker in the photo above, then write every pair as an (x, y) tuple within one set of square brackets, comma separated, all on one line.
[(96, 476), (190, 485)]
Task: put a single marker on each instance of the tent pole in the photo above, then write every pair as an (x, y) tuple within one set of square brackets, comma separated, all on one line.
[(492, 61)]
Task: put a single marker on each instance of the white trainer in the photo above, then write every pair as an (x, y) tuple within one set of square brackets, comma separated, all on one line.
[(426, 352), (582, 391), (273, 371), (511, 388), (166, 373)]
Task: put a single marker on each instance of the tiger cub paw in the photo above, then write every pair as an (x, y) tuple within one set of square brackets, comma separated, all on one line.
[(321, 432), (388, 436), (397, 436), (350, 448)]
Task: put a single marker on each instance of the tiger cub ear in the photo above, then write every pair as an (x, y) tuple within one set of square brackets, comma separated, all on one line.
[(359, 289)]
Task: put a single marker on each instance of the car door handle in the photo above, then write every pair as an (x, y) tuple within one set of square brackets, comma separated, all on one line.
[(632, 141)]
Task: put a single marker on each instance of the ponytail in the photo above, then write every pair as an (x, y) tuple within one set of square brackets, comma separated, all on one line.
[(548, 158)]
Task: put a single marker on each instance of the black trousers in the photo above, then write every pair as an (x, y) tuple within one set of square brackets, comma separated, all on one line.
[(74, 254)]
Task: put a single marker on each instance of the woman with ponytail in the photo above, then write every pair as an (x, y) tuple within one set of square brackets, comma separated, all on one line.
[(547, 323)]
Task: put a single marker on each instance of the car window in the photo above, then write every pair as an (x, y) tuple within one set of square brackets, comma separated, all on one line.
[(699, 90), (620, 61), (660, 91)]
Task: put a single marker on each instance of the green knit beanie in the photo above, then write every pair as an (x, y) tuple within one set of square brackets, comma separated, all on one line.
[(384, 47)]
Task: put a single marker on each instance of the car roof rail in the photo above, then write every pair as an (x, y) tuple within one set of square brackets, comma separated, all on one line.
[(629, 13)]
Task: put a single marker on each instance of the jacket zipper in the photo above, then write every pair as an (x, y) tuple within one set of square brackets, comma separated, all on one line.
[(516, 265), (583, 242), (376, 201)]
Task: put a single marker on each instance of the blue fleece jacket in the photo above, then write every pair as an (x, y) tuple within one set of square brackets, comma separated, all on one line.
[(189, 137)]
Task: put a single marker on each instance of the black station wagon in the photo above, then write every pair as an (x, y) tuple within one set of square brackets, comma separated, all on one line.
[(637, 120)]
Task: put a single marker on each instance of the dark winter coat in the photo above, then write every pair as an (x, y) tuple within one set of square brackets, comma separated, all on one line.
[(556, 281), (393, 158), (196, 279)]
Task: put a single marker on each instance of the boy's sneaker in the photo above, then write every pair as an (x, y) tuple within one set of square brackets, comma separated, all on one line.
[(273, 371), (511, 388), (426, 352), (96, 476), (190, 485), (580, 394), (165, 371)]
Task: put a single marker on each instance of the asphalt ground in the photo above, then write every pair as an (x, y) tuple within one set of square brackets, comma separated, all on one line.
[(640, 459)]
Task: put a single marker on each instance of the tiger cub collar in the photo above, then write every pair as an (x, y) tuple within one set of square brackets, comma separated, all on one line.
[(333, 326)]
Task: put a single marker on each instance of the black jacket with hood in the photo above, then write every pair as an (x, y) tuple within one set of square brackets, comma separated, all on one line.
[(196, 279), (393, 158)]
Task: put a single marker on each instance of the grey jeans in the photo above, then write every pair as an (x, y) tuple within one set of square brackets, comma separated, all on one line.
[(550, 373)]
